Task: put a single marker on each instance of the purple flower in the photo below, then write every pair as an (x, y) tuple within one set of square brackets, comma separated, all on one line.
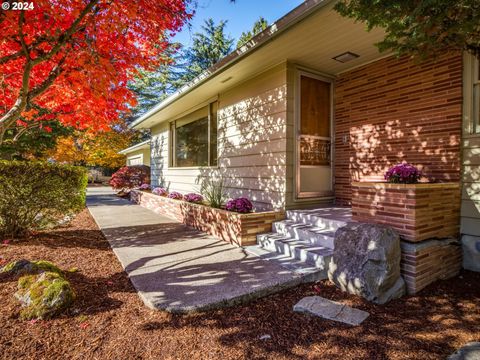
[(159, 191), (193, 198), (403, 174), (241, 205), (144, 187), (175, 195)]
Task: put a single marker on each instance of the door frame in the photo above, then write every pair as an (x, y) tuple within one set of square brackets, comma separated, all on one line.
[(306, 196)]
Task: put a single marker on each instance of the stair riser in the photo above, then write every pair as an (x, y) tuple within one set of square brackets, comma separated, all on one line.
[(302, 234), (316, 221), (319, 261)]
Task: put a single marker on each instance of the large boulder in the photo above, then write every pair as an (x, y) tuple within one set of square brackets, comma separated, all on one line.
[(366, 262), (44, 295), (471, 252)]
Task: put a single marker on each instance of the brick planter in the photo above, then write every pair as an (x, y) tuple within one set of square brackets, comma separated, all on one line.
[(239, 229), (417, 211)]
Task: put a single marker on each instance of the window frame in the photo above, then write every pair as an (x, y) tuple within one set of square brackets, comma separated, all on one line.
[(471, 95), (173, 136)]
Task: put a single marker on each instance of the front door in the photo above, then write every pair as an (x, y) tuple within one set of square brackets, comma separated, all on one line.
[(314, 171)]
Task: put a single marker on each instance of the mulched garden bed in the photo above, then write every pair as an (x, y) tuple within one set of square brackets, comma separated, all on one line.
[(109, 321)]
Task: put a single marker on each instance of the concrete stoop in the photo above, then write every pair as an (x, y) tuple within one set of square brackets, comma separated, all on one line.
[(303, 243)]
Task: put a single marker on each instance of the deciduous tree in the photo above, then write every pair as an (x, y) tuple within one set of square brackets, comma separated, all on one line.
[(420, 28), (71, 60)]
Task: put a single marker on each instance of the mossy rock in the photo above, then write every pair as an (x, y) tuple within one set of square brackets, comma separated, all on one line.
[(44, 295), (23, 266)]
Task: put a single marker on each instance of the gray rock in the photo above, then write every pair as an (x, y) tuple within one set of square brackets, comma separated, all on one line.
[(471, 252), (366, 262), (331, 310), (44, 296), (470, 351)]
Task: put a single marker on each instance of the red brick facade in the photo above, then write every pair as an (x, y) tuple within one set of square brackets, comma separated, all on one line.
[(416, 211), (394, 110), (428, 261), (238, 229)]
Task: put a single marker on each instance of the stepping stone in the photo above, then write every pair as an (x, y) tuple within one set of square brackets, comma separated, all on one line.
[(331, 310), (470, 351)]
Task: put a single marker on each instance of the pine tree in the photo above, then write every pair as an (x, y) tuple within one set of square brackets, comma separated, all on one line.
[(209, 46), (259, 25)]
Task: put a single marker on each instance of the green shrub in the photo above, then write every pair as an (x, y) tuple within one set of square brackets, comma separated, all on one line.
[(35, 194), (214, 193)]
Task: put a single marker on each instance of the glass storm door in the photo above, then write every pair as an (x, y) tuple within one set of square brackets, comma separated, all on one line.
[(314, 170)]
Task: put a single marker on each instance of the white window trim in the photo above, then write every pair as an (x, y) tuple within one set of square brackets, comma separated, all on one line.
[(140, 156), (471, 108)]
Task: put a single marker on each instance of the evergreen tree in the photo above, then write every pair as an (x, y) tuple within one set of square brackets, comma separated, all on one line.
[(259, 25), (209, 46), (151, 87)]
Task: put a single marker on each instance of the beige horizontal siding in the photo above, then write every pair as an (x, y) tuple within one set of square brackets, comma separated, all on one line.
[(470, 221), (252, 144)]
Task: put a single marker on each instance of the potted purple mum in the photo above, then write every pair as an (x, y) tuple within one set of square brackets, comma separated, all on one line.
[(240, 205)]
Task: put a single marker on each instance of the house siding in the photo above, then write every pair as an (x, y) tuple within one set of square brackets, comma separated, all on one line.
[(394, 110), (470, 221), (252, 132), (144, 153)]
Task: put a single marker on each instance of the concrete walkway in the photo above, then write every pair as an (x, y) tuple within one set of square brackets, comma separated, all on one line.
[(179, 269)]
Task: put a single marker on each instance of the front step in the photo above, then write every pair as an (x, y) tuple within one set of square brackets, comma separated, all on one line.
[(323, 218), (305, 239), (314, 235), (305, 251)]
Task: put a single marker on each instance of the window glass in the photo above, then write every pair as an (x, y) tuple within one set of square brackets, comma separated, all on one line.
[(191, 144)]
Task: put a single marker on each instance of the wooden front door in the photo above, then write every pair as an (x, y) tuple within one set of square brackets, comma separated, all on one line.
[(314, 171)]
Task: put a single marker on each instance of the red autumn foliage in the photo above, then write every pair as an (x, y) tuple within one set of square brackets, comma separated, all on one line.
[(130, 177), (71, 59)]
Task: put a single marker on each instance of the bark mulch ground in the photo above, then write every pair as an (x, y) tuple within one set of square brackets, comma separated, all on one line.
[(109, 321)]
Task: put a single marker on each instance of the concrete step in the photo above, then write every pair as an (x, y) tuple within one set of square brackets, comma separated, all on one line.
[(301, 231), (301, 250), (306, 272), (323, 218)]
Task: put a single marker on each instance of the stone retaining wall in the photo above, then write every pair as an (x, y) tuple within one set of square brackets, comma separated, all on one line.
[(428, 261), (235, 228)]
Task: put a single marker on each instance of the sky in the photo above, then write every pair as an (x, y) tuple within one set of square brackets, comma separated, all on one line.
[(240, 14)]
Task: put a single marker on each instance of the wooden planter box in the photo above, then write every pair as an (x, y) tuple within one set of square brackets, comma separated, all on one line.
[(239, 229), (417, 211)]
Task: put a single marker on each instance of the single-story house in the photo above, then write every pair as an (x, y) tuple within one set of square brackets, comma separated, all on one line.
[(309, 108), (138, 154)]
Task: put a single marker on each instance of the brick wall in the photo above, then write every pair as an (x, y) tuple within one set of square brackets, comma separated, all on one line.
[(428, 261), (238, 229), (416, 211), (394, 110)]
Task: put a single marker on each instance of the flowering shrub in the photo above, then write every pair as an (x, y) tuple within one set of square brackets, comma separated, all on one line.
[(193, 198), (241, 205), (144, 187), (403, 174), (130, 177), (175, 195), (159, 191)]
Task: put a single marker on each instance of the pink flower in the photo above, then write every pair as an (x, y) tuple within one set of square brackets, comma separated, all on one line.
[(6, 242)]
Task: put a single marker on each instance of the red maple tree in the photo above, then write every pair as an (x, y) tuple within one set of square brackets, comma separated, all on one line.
[(70, 60)]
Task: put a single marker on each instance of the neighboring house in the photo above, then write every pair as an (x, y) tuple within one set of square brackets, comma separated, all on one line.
[(138, 154), (309, 106)]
